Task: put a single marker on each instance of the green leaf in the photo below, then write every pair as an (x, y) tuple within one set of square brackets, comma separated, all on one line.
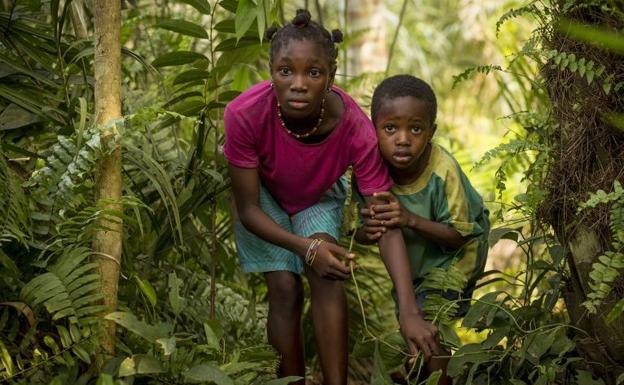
[(147, 289), (480, 309), (211, 338), (168, 345), (140, 328), (140, 364), (434, 377), (261, 17), (620, 379), (13, 117), (379, 374), (178, 58), (206, 373), (245, 15), (201, 5), (585, 378), (176, 302), (616, 311), (540, 343), (184, 27), (191, 75), (284, 380), (6, 359)]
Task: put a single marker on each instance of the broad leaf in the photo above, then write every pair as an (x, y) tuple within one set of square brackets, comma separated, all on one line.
[(184, 27), (206, 373), (178, 58), (245, 15), (140, 364), (201, 5), (140, 328)]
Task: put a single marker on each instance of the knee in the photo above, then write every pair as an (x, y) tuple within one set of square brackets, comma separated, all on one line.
[(285, 293)]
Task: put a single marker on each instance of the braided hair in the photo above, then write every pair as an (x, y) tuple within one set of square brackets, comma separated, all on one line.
[(303, 28), (404, 85)]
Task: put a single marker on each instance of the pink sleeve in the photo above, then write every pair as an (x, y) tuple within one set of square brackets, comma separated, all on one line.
[(239, 148), (370, 171)]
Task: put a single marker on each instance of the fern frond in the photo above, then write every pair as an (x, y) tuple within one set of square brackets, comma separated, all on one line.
[(63, 184), (70, 288), (607, 269), (486, 69), (516, 12), (14, 209)]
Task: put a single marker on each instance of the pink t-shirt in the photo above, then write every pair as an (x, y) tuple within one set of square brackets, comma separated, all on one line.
[(295, 173)]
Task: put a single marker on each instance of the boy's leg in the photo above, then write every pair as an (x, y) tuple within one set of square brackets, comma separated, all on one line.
[(329, 314), (284, 321)]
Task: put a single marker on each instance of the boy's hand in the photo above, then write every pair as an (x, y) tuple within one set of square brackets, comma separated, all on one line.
[(419, 334), (332, 262)]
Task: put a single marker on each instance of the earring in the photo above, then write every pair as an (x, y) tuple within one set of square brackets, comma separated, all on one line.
[(272, 84)]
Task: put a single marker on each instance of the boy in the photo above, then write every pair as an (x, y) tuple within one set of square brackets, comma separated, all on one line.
[(442, 217)]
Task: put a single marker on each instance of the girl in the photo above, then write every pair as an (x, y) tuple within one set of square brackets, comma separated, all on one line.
[(288, 142)]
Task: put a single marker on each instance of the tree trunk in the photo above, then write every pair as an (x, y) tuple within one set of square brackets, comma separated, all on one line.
[(368, 52), (107, 243)]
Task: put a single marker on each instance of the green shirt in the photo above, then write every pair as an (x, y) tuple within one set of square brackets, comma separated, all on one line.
[(444, 194)]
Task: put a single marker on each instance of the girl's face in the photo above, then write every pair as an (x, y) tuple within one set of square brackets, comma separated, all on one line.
[(404, 129), (301, 77)]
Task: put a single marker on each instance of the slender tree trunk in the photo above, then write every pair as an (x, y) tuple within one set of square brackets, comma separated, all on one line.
[(107, 244), (367, 53)]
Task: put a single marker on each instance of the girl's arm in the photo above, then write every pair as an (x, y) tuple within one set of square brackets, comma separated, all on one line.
[(419, 334), (245, 187), (387, 212)]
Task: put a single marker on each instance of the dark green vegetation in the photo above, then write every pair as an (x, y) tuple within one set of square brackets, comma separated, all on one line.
[(186, 314)]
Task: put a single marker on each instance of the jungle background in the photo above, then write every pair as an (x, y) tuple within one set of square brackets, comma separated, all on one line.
[(117, 261)]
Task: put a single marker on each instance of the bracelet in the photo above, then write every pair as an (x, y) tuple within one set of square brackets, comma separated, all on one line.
[(312, 250)]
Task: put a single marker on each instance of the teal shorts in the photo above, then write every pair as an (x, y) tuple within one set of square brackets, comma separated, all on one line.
[(258, 255)]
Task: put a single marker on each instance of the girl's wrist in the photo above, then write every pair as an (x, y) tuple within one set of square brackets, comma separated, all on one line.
[(303, 246)]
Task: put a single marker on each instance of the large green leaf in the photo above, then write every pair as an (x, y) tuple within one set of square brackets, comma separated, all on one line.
[(245, 15), (206, 373), (140, 364), (13, 117), (201, 5), (178, 58), (140, 328), (191, 75), (184, 27)]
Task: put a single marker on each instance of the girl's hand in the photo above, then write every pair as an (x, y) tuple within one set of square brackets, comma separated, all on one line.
[(387, 211), (419, 334), (332, 262)]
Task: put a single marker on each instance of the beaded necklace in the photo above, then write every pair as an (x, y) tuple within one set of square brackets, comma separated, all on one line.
[(306, 134)]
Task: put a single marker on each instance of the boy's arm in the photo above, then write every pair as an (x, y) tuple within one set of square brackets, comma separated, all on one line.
[(245, 187), (419, 334), (387, 212)]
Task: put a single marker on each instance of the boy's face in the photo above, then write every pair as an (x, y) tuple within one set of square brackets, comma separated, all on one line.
[(404, 129)]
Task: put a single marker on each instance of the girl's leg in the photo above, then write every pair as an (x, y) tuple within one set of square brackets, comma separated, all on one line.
[(284, 321), (329, 314)]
